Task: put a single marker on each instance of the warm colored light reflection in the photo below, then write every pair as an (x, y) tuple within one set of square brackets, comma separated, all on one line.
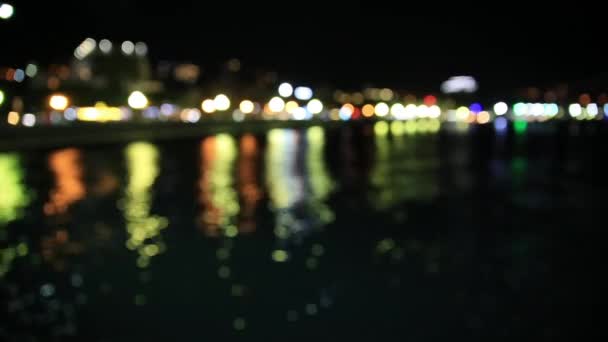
[(368, 110), (100, 113), (321, 183), (66, 165), (143, 228), (246, 106), (58, 102), (249, 185), (218, 197)]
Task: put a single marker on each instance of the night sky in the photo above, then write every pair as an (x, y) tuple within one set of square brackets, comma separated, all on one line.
[(350, 47)]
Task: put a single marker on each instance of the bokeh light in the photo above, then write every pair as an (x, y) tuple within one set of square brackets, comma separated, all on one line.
[(500, 108), (246, 106), (303, 93), (137, 100), (575, 110), (127, 47), (58, 102), (6, 11), (314, 106), (381, 109), (346, 111), (367, 110), (208, 106), (29, 120), (520, 109), (483, 117), (500, 124), (285, 89), (398, 111), (276, 104), (222, 102)]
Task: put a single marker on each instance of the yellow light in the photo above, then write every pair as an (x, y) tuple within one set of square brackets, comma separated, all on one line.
[(381, 128), (279, 256), (386, 94), (1, 97), (13, 118), (246, 106), (137, 100), (483, 117), (276, 104), (434, 125), (222, 102), (58, 102), (434, 111), (397, 127), (462, 113), (291, 106), (101, 112), (367, 110), (208, 106), (381, 109), (314, 106)]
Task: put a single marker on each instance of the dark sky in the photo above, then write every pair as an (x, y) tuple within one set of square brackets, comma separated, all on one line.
[(346, 46)]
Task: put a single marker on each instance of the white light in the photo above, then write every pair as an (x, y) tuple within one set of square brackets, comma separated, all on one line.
[(434, 111), (285, 90), (346, 111), (222, 102), (381, 109), (537, 109), (303, 93), (314, 106), (31, 70), (6, 11), (501, 108), (19, 75), (592, 109), (605, 109), (137, 100), (208, 106), (127, 47), (398, 111), (299, 113), (276, 104), (551, 109), (422, 111), (70, 114), (1, 97), (29, 119), (246, 106), (105, 46), (410, 112), (193, 115), (141, 49), (58, 102), (575, 110), (459, 84)]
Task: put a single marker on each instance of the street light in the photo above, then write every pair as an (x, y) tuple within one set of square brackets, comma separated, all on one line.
[(58, 102)]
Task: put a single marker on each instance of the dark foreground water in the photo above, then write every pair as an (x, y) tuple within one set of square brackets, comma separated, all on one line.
[(305, 234)]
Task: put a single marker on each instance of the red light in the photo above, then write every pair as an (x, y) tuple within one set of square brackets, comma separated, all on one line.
[(430, 100), (356, 114)]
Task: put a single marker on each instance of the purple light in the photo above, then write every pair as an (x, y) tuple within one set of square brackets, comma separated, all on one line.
[(476, 108), (500, 124)]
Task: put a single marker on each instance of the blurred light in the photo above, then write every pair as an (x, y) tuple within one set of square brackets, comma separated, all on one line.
[(127, 47), (422, 111), (141, 49), (193, 115), (501, 108), (476, 107), (575, 110), (381, 109), (606, 110), (222, 102), (551, 109), (13, 118), (500, 124), (398, 111), (314, 106), (299, 113), (19, 75), (462, 113), (584, 99), (276, 104), (285, 89), (6, 11), (483, 117), (234, 65), (167, 109), (459, 84), (434, 111), (105, 46), (70, 114), (386, 94), (430, 100), (290, 106), (100, 113), (367, 110), (397, 127), (1, 97), (592, 109), (537, 109), (246, 106), (381, 128), (58, 102), (346, 111), (303, 93), (29, 119), (520, 126), (410, 111), (433, 125), (239, 324), (520, 109), (208, 106), (357, 98), (137, 100), (279, 255), (31, 70)]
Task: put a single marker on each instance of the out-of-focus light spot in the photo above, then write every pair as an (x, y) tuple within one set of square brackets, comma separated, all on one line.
[(433, 125), (346, 111), (222, 102), (1, 97), (434, 112), (141, 49), (193, 115), (127, 47), (285, 89), (137, 100), (231, 231), (31, 70), (167, 109), (29, 119), (357, 98), (290, 106), (410, 111), (70, 114), (462, 113), (430, 100), (47, 290), (299, 113), (500, 124), (105, 46), (397, 127), (575, 110), (584, 99), (592, 109), (6, 11), (606, 110), (279, 255), (58, 102), (459, 84), (398, 111), (381, 128), (19, 75), (381, 109), (208, 106), (500, 108), (537, 109), (303, 93), (246, 106), (276, 104), (311, 309), (520, 109), (551, 109), (386, 94), (317, 250), (422, 111), (13, 118), (239, 324), (410, 127), (476, 107), (520, 126), (223, 272), (314, 106), (367, 110), (483, 117)]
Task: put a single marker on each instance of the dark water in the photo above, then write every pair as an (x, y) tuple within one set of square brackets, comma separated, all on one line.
[(304, 234)]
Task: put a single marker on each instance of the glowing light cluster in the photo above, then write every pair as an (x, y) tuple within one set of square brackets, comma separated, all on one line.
[(85, 48)]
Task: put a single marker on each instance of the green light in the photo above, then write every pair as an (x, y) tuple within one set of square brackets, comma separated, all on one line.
[(279, 255), (13, 194), (397, 127), (520, 126), (520, 109), (1, 97), (411, 127), (381, 128), (239, 324)]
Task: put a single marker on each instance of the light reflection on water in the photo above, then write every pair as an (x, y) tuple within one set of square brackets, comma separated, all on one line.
[(273, 240)]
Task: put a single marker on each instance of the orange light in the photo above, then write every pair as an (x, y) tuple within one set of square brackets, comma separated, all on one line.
[(483, 117), (368, 110)]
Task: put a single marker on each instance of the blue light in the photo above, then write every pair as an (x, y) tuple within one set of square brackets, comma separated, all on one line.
[(500, 124), (476, 108)]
